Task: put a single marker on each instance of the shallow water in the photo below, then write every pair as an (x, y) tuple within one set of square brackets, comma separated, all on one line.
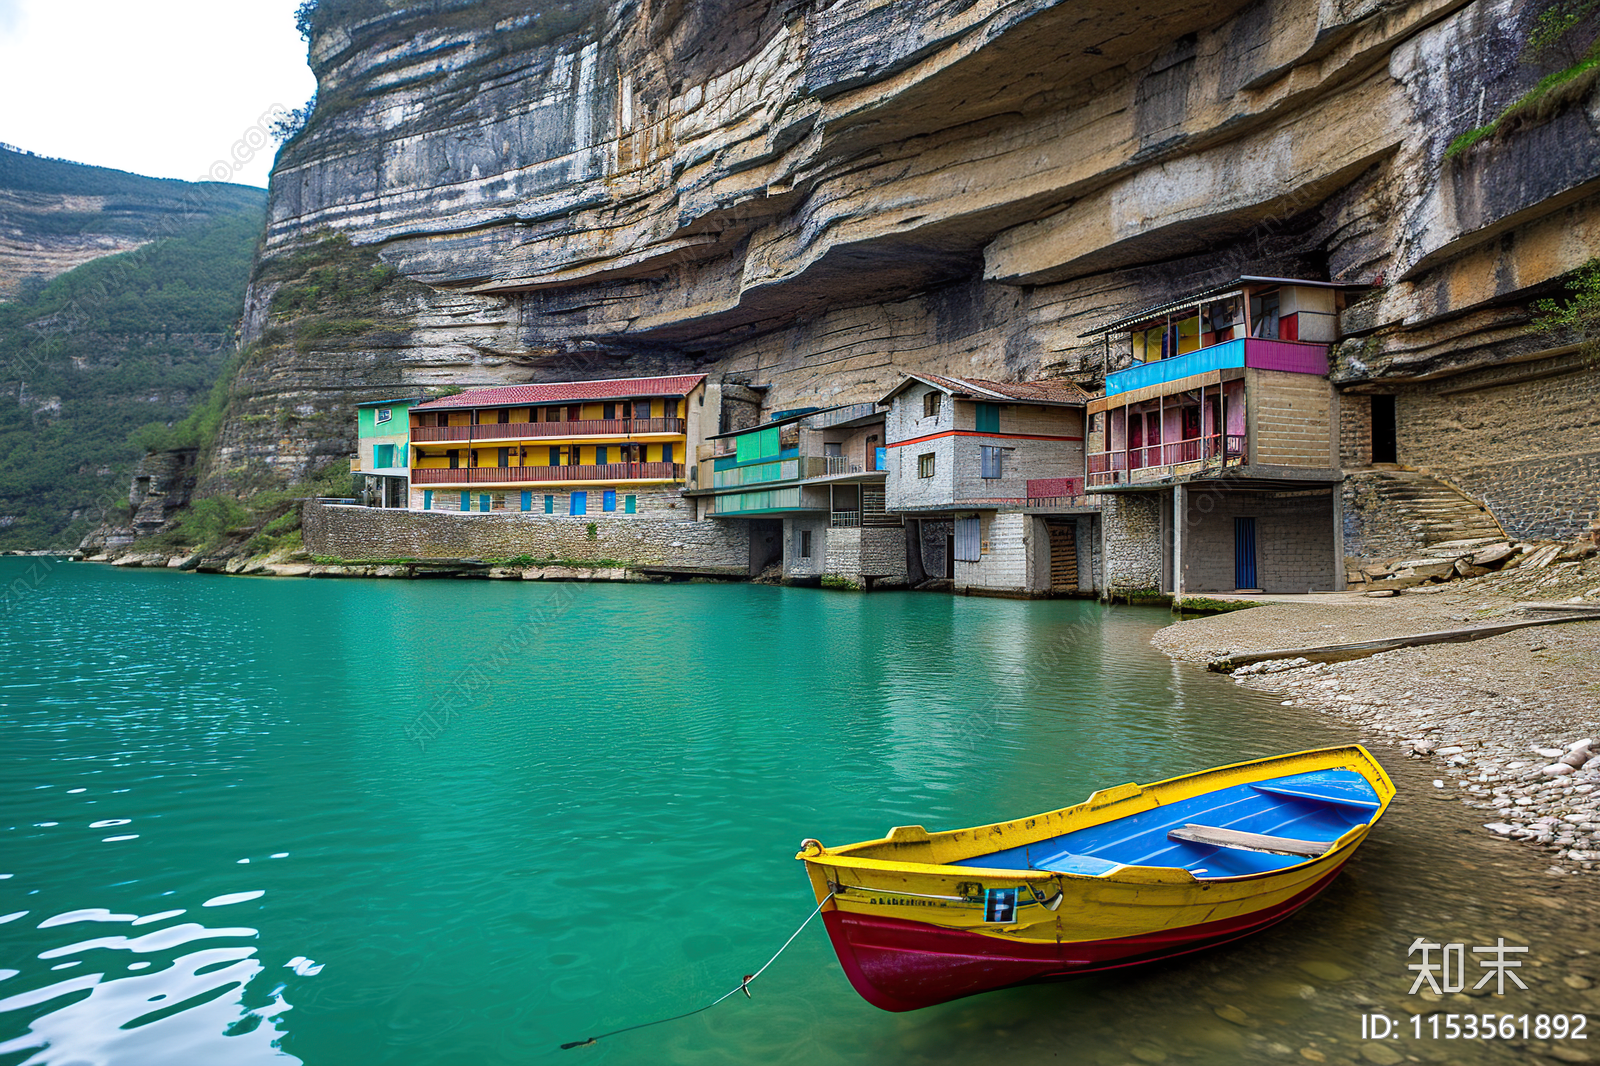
[(227, 835)]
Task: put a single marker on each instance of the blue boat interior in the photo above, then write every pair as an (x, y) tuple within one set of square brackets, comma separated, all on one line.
[(1315, 808)]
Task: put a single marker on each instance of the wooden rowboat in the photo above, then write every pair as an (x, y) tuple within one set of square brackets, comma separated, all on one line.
[(1133, 874)]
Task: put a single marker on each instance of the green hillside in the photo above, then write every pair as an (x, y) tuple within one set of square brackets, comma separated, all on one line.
[(112, 346)]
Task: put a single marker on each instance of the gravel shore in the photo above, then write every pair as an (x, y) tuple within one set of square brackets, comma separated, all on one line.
[(1495, 717)]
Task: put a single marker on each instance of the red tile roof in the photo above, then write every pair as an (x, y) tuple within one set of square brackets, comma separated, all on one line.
[(567, 391), (1048, 391)]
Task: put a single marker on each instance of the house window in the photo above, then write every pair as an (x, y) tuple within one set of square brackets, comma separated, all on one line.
[(555, 456), (930, 404), (967, 546), (988, 418), (505, 456), (609, 501), (805, 544), (666, 453), (608, 411), (989, 458), (925, 465), (579, 504), (454, 455), (485, 505), (466, 501), (384, 414), (600, 456), (427, 499), (549, 505), (503, 416), (630, 505)]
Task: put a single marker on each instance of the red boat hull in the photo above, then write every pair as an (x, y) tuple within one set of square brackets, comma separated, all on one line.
[(902, 965)]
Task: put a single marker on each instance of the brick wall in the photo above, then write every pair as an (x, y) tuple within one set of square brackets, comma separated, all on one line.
[(1294, 541), (1523, 438), (1355, 430), (640, 540), (1133, 543), (1003, 567), (1291, 416)]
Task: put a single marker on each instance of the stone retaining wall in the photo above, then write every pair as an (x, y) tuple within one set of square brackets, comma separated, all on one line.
[(346, 532)]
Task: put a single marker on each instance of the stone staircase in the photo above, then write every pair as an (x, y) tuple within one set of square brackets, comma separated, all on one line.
[(1392, 512)]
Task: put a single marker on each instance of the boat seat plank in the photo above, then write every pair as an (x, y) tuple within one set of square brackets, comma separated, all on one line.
[(1233, 838)]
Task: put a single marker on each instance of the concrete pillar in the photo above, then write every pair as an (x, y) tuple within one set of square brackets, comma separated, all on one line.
[(1179, 511)]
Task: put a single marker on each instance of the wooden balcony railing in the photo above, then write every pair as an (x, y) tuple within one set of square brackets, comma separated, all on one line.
[(514, 475), (587, 427), (1154, 462)]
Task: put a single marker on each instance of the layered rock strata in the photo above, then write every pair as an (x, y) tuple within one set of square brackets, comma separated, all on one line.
[(817, 197)]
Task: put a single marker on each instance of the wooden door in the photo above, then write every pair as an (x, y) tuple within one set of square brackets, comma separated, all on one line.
[(1063, 556)]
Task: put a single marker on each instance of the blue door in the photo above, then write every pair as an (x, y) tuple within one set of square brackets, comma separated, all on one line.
[(1244, 553)]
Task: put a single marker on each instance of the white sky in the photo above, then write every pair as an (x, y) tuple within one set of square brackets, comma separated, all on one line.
[(165, 88)]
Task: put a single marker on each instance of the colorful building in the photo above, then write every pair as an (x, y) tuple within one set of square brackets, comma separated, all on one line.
[(383, 449), (989, 478), (810, 484), (1215, 445), (619, 446)]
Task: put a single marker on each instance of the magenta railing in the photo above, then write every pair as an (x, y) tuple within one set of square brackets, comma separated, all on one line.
[(509, 475), (587, 427)]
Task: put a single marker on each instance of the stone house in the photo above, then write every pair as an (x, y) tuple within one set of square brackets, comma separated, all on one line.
[(1215, 447), (809, 485), (989, 478)]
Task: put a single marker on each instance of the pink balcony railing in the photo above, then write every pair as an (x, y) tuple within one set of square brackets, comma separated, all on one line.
[(1153, 462)]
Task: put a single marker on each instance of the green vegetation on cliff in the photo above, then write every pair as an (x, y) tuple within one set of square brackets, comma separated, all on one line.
[(97, 364)]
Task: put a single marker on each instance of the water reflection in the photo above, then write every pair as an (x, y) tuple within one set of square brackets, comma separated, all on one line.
[(182, 997)]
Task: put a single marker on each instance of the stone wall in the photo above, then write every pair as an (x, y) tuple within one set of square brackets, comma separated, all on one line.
[(1133, 541), (346, 532), (1295, 550), (1522, 439), (1355, 430)]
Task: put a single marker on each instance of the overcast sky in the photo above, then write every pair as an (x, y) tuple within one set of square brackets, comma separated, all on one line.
[(166, 88)]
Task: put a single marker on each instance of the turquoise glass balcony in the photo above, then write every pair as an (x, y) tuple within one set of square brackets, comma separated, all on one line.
[(1291, 357)]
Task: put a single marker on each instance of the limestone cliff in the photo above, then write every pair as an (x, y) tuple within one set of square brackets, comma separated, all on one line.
[(817, 196)]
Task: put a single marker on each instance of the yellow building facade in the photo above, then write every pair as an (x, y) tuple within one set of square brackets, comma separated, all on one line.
[(619, 445)]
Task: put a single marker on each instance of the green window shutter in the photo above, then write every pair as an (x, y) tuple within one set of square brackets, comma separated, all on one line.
[(483, 503), (427, 499), (988, 418), (466, 501), (555, 456), (600, 456), (549, 505), (629, 505)]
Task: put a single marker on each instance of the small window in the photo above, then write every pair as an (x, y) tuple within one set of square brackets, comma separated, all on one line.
[(608, 411), (805, 544), (579, 504), (527, 500), (485, 504), (466, 501), (505, 457), (549, 505), (630, 505), (990, 460), (454, 455), (427, 499), (609, 502), (503, 416), (988, 418), (925, 465), (601, 455), (555, 456), (666, 453), (930, 404), (384, 414)]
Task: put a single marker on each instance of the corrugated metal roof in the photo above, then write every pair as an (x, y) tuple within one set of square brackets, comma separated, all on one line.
[(390, 403), (1052, 391), (565, 391), (1211, 293)]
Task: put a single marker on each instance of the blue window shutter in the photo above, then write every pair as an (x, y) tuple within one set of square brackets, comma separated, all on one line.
[(555, 456), (427, 499), (600, 456), (580, 503), (466, 501), (666, 449), (610, 501), (629, 505), (527, 500), (483, 502), (549, 504)]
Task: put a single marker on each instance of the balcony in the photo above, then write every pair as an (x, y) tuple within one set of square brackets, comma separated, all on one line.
[(1157, 462), (587, 427), (523, 475), (1292, 357)]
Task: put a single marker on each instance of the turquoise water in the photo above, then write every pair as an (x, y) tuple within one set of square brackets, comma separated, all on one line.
[(228, 835)]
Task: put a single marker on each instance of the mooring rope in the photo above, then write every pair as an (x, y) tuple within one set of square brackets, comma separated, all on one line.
[(743, 986)]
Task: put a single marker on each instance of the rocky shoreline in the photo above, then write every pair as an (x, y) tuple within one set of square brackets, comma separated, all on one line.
[(1507, 723)]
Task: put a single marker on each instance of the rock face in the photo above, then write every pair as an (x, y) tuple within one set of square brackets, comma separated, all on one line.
[(819, 196)]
